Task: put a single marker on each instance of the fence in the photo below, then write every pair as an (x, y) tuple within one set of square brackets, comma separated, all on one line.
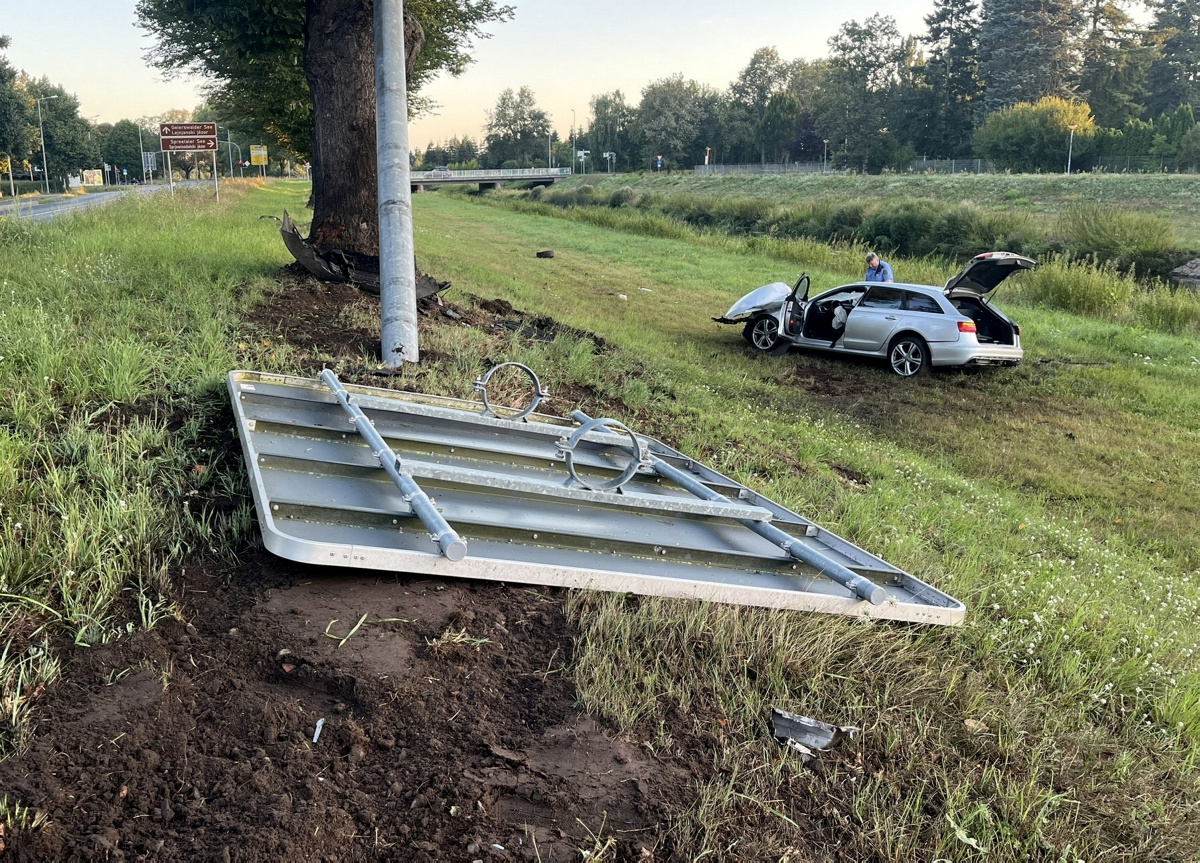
[(788, 168), (953, 166)]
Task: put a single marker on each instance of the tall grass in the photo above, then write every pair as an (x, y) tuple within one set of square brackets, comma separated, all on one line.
[(115, 328)]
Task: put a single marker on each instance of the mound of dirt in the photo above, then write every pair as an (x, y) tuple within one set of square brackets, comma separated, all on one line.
[(306, 713)]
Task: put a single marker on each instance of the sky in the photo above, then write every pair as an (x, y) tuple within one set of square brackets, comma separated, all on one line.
[(565, 51)]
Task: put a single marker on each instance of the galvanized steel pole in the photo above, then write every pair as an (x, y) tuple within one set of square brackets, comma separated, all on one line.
[(859, 585), (451, 544), (397, 274)]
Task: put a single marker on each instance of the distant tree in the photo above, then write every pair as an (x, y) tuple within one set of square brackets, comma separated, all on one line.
[(1031, 137), (305, 69), (608, 131), (1175, 74), (668, 122), (70, 145), (1117, 57), (748, 95), (1028, 50), (1189, 149), (952, 77), (856, 105), (121, 149), (779, 125), (16, 121), (517, 131)]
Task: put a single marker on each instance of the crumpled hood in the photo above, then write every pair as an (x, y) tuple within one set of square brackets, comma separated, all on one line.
[(766, 299)]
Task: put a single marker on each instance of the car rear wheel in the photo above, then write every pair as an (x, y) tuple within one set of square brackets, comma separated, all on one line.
[(908, 356), (763, 333)]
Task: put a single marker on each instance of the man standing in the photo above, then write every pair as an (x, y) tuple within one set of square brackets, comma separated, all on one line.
[(877, 270)]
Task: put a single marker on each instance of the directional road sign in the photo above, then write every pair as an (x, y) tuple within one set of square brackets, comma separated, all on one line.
[(188, 136)]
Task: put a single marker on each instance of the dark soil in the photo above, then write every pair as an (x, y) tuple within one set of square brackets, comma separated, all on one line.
[(449, 728)]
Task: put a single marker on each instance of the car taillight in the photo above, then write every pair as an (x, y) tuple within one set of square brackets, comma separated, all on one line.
[(966, 327), (1017, 329)]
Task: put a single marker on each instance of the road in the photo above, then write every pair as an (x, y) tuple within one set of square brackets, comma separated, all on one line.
[(40, 210)]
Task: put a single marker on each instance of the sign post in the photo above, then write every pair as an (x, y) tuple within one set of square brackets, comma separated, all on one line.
[(190, 138), (258, 156)]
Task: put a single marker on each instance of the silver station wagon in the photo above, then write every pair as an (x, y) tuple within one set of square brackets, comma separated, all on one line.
[(912, 327)]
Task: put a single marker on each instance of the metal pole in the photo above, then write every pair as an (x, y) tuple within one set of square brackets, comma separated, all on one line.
[(860, 585), (12, 184), (42, 133), (142, 151), (229, 147), (1070, 149), (451, 544), (216, 186), (397, 276), (573, 150), (170, 173)]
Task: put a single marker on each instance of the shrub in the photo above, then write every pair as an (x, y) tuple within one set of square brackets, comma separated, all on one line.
[(1036, 137), (844, 222), (1080, 287), (907, 228), (623, 197), (1091, 229)]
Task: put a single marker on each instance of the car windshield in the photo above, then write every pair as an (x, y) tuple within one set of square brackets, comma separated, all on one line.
[(841, 295)]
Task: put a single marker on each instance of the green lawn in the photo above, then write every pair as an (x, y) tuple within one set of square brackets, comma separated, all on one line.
[(1058, 499)]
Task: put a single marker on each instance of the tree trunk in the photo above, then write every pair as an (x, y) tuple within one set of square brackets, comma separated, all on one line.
[(339, 63)]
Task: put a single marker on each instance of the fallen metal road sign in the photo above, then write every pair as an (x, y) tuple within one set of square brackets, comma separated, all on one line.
[(378, 479)]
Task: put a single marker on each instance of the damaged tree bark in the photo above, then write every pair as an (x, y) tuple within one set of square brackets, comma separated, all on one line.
[(339, 63)]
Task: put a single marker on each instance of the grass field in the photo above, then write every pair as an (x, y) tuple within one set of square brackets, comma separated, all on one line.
[(1173, 196), (1058, 499)]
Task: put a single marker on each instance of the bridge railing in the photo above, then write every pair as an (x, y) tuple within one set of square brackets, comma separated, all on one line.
[(492, 174)]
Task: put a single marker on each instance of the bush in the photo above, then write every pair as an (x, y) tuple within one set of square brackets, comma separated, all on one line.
[(1139, 241), (844, 222), (623, 197), (1036, 137), (906, 229)]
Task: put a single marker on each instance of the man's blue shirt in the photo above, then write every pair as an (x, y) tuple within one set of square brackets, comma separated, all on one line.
[(882, 273)]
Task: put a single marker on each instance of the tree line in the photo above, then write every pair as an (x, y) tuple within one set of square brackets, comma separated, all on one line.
[(1003, 80), (74, 143)]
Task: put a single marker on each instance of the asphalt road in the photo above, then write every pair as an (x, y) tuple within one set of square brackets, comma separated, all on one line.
[(40, 210)]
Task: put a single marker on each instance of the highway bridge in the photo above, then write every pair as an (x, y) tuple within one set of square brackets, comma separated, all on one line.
[(488, 179)]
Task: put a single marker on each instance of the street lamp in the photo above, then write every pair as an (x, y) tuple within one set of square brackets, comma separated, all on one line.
[(42, 133), (825, 158), (573, 147), (229, 145), (1070, 148)]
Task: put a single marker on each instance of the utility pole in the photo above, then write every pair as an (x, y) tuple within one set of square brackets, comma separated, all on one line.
[(1070, 148), (42, 133), (142, 151), (397, 276), (825, 158), (573, 148), (229, 147)]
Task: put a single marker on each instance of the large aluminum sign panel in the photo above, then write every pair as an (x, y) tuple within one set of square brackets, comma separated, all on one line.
[(456, 492)]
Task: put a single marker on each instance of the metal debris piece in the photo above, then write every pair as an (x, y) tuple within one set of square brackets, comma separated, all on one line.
[(807, 735), (339, 265), (628, 513)]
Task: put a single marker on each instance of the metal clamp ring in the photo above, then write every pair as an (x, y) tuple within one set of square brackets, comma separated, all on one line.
[(638, 454), (481, 384)]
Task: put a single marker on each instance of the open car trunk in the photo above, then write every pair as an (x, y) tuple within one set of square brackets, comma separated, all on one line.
[(991, 328)]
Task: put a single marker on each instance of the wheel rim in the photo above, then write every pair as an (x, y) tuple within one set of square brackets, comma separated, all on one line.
[(907, 358), (764, 335)]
